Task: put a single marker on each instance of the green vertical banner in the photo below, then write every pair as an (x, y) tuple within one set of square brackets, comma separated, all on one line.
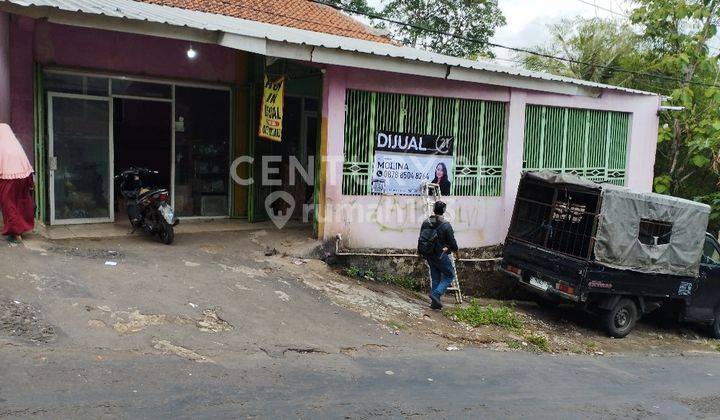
[(39, 143)]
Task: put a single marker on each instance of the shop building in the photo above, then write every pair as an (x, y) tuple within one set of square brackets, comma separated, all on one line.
[(91, 87)]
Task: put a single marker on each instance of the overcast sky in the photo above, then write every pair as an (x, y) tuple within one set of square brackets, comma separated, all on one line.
[(527, 20)]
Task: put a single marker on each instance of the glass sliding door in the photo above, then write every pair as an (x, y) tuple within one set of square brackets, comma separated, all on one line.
[(80, 151), (202, 151)]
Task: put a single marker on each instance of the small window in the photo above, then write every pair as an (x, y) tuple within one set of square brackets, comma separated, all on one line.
[(75, 83), (654, 232), (141, 89), (710, 253)]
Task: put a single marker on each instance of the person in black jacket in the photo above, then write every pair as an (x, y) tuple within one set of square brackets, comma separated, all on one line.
[(436, 243)]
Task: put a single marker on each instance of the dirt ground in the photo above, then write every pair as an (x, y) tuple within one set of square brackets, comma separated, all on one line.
[(567, 331), (259, 292)]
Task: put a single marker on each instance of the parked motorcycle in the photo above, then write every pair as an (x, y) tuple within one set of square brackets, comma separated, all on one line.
[(148, 207)]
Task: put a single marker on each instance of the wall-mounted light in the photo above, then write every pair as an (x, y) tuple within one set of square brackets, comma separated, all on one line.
[(191, 53)]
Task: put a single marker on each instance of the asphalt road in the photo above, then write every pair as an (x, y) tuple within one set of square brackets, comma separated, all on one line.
[(463, 384), (92, 346)]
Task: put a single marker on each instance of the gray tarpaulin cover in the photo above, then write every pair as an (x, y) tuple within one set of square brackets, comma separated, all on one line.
[(562, 178), (617, 244)]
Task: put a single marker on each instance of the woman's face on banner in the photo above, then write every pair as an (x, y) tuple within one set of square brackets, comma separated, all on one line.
[(439, 173)]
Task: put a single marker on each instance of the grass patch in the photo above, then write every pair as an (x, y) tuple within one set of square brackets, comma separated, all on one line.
[(476, 315), (717, 347), (406, 282), (591, 347), (538, 341), (396, 325), (353, 271), (514, 344)]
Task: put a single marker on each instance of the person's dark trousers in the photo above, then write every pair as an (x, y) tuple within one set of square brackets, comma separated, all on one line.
[(442, 274)]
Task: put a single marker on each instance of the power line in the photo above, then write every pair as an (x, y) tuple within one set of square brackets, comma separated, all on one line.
[(604, 9), (515, 49), (623, 15)]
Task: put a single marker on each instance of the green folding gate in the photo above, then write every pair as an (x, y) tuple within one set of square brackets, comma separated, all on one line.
[(589, 143), (477, 126), (40, 145)]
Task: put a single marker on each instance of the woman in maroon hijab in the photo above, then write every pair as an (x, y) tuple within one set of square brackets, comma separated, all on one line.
[(16, 187)]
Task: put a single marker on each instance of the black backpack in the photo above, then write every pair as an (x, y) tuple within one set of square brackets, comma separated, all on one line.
[(428, 242)]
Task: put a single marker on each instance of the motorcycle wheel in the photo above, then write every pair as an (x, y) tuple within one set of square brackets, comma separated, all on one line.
[(167, 233)]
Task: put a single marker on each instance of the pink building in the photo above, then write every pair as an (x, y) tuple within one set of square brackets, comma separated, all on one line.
[(95, 87)]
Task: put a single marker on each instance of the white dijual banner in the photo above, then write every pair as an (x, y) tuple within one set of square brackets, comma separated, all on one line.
[(404, 161)]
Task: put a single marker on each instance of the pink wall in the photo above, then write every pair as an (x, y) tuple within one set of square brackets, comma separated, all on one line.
[(74, 47), (393, 221), (4, 68), (21, 81)]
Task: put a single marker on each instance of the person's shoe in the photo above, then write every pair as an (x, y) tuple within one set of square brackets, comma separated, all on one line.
[(435, 302)]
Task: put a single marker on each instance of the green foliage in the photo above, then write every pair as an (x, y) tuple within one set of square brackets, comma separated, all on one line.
[(476, 315), (713, 200), (603, 44), (514, 344), (359, 5), (353, 271), (670, 50), (396, 325), (677, 35), (406, 282), (539, 341), (474, 19)]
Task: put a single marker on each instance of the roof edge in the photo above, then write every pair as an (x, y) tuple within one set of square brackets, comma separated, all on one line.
[(267, 39)]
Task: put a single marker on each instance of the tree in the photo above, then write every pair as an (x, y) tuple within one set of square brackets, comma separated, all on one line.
[(475, 20), (605, 45), (360, 6), (670, 53), (470, 23), (678, 34)]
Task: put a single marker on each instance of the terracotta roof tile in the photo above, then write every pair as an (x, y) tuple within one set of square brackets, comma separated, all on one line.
[(301, 14)]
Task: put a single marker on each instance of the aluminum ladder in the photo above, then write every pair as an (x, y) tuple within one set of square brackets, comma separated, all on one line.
[(431, 192)]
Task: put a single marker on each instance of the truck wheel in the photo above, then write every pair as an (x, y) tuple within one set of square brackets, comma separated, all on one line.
[(621, 319)]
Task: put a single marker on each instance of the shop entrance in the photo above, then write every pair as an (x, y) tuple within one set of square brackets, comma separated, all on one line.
[(142, 138), (99, 125), (287, 170)]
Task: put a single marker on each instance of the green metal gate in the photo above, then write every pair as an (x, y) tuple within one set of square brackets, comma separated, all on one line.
[(589, 143), (477, 126)]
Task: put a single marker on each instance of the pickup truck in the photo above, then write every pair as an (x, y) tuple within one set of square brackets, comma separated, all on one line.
[(613, 252)]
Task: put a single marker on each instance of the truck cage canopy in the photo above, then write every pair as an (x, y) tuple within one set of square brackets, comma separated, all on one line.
[(610, 225)]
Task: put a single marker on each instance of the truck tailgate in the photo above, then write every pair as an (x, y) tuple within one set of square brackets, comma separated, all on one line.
[(537, 263)]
